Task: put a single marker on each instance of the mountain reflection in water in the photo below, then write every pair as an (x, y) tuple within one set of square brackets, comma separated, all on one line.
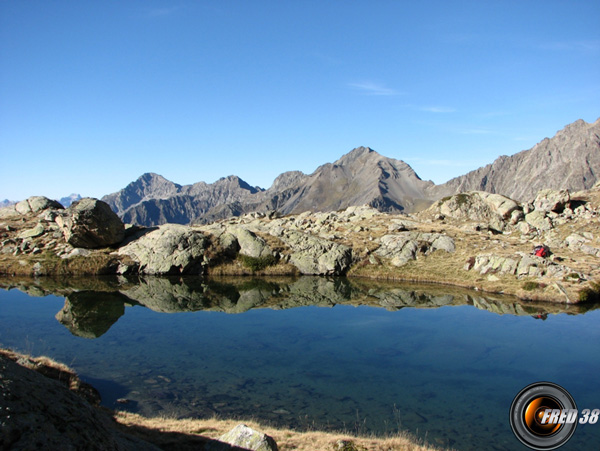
[(311, 353)]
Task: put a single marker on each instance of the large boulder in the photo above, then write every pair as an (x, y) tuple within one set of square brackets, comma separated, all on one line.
[(249, 243), (479, 206), (402, 247), (169, 249), (317, 256), (491, 264), (539, 220), (502, 205), (36, 204), (579, 242), (90, 223), (552, 200), (36, 231)]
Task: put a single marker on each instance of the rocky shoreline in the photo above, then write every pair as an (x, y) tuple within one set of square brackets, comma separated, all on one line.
[(476, 240)]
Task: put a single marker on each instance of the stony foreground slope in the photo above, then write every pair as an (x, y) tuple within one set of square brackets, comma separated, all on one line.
[(476, 239)]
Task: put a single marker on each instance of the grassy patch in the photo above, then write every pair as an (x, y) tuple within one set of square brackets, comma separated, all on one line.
[(237, 268), (573, 277), (530, 286), (591, 293), (99, 262), (462, 199), (257, 263)]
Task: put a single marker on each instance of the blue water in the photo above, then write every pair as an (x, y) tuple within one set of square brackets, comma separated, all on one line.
[(446, 374)]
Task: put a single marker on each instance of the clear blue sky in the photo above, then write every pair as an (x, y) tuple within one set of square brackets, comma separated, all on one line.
[(95, 93)]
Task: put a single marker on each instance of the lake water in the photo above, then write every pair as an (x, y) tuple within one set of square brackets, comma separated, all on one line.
[(331, 354)]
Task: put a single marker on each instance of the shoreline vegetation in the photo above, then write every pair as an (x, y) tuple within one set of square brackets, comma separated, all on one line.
[(473, 240), (149, 433)]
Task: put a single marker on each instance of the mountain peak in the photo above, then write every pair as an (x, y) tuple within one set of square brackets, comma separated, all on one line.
[(151, 178), (150, 175), (578, 129), (235, 181), (357, 154), (287, 179)]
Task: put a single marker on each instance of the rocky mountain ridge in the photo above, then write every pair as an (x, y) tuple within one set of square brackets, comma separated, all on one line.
[(153, 200), (569, 160), (360, 177)]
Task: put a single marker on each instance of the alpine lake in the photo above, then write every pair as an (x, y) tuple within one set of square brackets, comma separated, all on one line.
[(339, 354)]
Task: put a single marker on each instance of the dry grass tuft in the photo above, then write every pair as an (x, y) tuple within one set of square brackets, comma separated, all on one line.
[(237, 268)]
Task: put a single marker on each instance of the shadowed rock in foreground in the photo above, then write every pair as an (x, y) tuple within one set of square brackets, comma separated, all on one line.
[(37, 412)]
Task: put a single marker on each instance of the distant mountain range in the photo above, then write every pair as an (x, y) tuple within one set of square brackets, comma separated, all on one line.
[(64, 201), (6, 203), (67, 201), (571, 160)]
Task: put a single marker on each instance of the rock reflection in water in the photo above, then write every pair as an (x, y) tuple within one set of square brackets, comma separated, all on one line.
[(92, 305), (89, 314)]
